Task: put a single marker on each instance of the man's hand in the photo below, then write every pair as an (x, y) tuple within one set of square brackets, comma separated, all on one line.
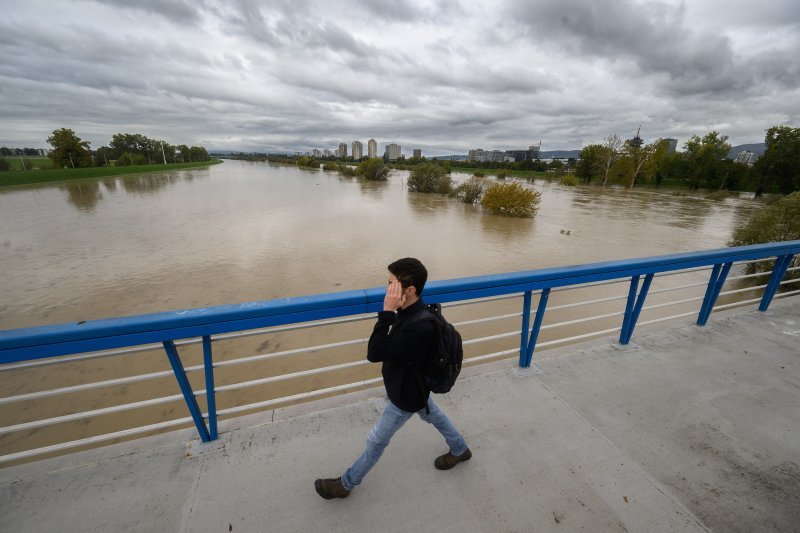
[(395, 297)]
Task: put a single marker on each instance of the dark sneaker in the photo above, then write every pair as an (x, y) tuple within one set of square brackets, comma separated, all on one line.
[(331, 488), (448, 460)]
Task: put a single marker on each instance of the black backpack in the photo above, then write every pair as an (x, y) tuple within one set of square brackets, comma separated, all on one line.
[(444, 363)]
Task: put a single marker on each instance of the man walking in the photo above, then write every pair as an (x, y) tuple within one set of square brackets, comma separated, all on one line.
[(402, 344)]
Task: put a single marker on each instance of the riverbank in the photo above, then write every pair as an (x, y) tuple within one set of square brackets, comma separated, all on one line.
[(25, 177)]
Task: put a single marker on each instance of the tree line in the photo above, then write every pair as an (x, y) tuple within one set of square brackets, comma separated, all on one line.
[(125, 149), (702, 164), (5, 151)]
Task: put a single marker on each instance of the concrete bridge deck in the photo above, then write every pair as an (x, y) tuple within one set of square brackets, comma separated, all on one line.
[(692, 429)]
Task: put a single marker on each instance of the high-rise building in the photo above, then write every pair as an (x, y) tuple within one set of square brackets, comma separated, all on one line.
[(417, 153), (358, 150), (342, 151), (393, 152), (481, 155), (372, 148)]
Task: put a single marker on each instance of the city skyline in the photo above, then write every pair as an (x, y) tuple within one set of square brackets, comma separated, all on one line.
[(238, 76)]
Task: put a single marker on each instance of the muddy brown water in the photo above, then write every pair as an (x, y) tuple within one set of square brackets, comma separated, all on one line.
[(241, 231)]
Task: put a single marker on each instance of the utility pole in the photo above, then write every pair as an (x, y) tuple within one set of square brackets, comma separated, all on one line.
[(70, 159), (23, 163), (162, 153)]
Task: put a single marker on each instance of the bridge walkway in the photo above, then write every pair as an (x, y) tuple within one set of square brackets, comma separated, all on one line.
[(690, 429)]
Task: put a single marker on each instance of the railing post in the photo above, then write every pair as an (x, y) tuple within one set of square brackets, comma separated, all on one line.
[(778, 271), (629, 308), (208, 364), (186, 389), (537, 325), (526, 320), (712, 292), (630, 320)]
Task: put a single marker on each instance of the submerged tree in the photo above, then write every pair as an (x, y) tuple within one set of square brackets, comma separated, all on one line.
[(511, 200), (429, 178), (373, 169)]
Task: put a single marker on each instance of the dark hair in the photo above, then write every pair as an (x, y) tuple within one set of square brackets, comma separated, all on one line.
[(410, 272)]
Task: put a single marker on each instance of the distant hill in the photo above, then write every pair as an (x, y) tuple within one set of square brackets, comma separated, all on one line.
[(549, 154)]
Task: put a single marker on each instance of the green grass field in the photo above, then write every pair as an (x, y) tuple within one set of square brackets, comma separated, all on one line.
[(514, 173), (24, 177), (31, 163)]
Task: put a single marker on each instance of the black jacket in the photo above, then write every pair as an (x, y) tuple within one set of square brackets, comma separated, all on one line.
[(402, 344)]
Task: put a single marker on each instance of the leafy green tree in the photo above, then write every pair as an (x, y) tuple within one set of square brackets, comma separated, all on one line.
[(429, 178), (304, 161), (68, 149), (185, 153), (373, 169), (130, 159), (103, 156), (621, 171), (639, 156), (780, 163), (705, 157), (735, 176), (655, 168), (346, 170), (4, 164), (611, 153), (672, 167), (511, 200), (590, 162), (199, 153)]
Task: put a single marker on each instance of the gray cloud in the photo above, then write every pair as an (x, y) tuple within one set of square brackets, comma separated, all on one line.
[(447, 76), (651, 34), (175, 10), (408, 10)]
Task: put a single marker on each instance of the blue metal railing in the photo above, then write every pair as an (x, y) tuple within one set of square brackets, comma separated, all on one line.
[(166, 328)]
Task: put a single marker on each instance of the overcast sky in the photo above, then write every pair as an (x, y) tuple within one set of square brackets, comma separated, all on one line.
[(442, 76)]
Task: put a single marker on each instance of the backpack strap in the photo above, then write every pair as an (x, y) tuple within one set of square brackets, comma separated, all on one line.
[(424, 314)]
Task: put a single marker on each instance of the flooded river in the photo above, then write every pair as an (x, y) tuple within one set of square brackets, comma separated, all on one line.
[(241, 231)]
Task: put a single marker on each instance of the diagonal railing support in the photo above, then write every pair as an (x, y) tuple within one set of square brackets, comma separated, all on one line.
[(715, 283), (526, 324), (779, 270), (634, 307), (186, 389), (529, 341)]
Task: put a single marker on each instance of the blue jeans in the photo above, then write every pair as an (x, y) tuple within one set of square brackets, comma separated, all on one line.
[(384, 429)]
